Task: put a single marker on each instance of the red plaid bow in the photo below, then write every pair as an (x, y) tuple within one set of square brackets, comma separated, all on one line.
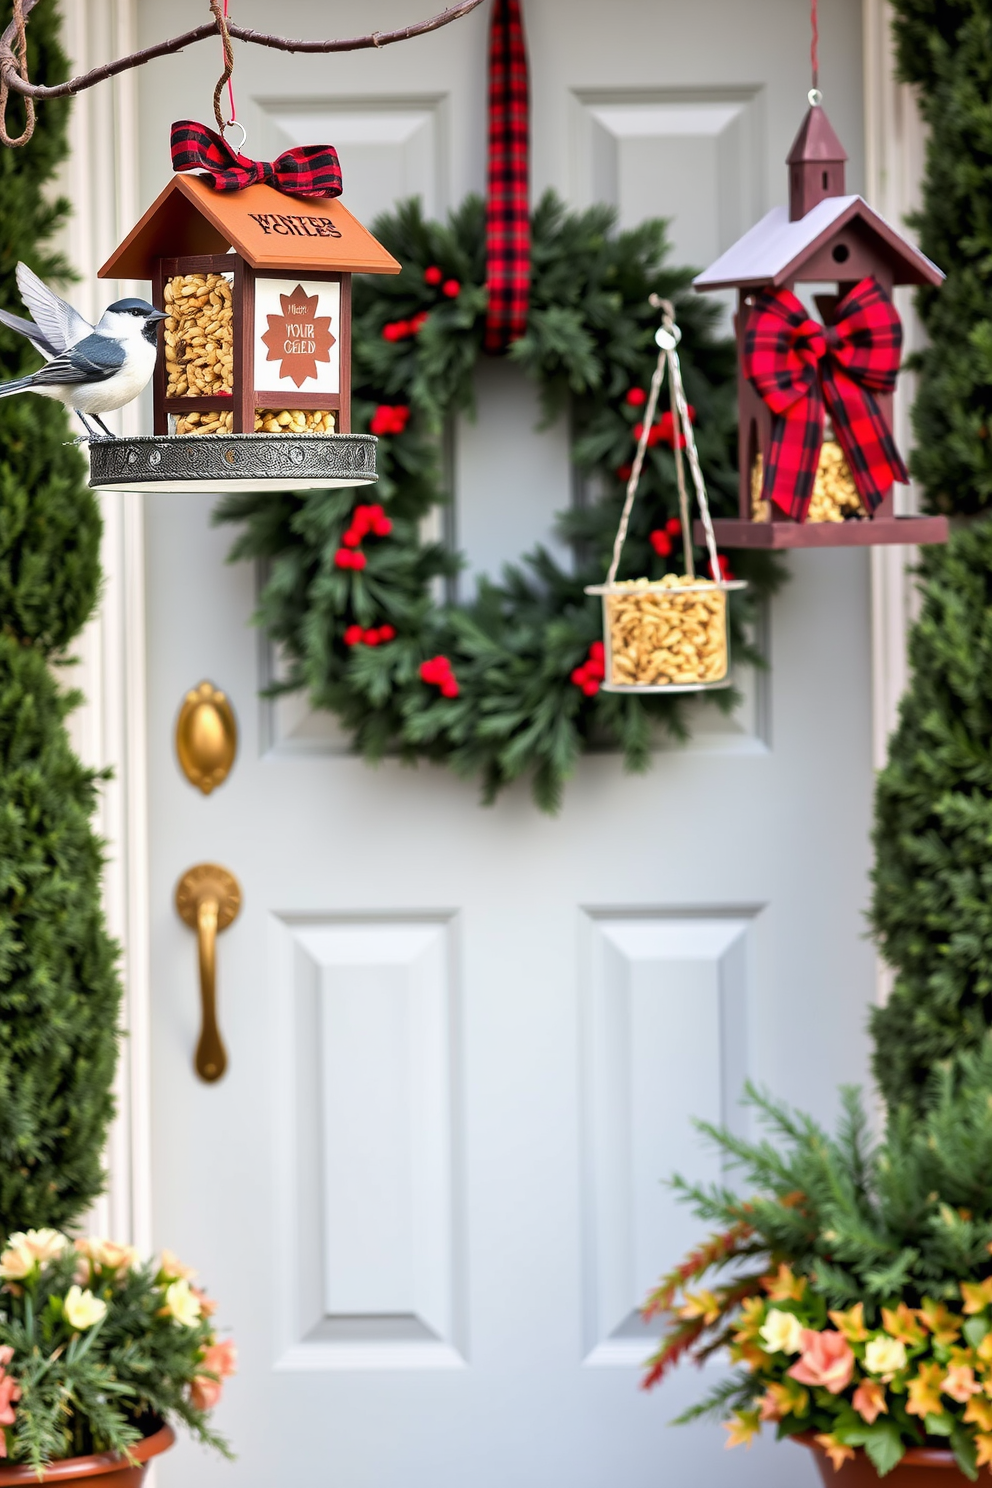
[(508, 196), (310, 170), (797, 365)]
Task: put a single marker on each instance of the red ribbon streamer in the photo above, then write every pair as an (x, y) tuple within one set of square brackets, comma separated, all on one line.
[(508, 197), (308, 170), (798, 366)]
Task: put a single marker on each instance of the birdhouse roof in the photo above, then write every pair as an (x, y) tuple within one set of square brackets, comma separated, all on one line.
[(267, 228), (816, 141), (775, 249)]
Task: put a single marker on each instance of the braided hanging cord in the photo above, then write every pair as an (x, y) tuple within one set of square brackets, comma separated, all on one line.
[(22, 61), (220, 17)]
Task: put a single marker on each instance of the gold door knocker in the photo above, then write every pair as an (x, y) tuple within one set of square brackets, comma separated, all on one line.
[(208, 899), (206, 737)]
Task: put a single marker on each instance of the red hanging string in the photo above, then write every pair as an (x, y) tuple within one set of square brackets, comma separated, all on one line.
[(814, 49)]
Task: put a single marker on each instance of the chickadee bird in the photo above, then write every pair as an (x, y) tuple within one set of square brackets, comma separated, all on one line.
[(91, 369)]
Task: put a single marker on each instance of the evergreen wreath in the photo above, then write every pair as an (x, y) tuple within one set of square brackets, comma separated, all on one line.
[(508, 683)]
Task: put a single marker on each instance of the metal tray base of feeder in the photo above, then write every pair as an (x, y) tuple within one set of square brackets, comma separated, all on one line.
[(233, 462)]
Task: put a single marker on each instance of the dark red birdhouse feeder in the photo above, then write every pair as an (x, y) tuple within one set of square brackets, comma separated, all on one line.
[(818, 459)]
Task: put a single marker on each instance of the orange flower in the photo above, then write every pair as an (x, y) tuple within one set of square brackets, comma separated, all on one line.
[(902, 1324), (960, 1383), (978, 1412), (204, 1392), (924, 1392), (984, 1444), (826, 1360), (221, 1358), (837, 1451), (869, 1401), (851, 1324), (742, 1428), (942, 1323), (788, 1399), (784, 1286), (977, 1295), (9, 1392), (700, 1305)]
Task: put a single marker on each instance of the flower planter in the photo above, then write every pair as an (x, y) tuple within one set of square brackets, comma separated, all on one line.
[(922, 1467), (102, 1470)]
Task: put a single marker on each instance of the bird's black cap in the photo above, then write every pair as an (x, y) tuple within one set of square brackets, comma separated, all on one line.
[(141, 306)]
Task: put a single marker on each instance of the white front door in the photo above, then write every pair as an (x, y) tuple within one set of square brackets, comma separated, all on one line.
[(465, 1044)]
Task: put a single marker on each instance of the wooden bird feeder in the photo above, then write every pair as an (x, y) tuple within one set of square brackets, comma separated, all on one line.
[(253, 384), (823, 235)]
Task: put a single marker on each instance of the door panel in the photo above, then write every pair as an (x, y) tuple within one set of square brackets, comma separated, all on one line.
[(465, 1044)]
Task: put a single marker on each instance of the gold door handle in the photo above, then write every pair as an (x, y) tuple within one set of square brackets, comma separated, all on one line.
[(208, 899)]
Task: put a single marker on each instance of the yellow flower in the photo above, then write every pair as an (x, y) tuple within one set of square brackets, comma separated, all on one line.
[(15, 1263), (173, 1269), (82, 1309), (837, 1451), (742, 1428), (984, 1350), (752, 1313), (700, 1305), (885, 1355), (784, 1286), (960, 1383), (924, 1392), (984, 1444), (943, 1323), (902, 1324), (782, 1332), (851, 1324), (182, 1302), (978, 1412), (977, 1295)]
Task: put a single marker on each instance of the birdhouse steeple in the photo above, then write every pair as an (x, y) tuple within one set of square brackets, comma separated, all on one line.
[(816, 164)]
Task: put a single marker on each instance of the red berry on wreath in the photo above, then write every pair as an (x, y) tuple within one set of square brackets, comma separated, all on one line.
[(351, 538), (674, 527), (636, 397), (417, 321), (451, 288), (449, 687), (387, 633), (624, 472), (433, 275), (353, 635), (372, 637), (661, 542)]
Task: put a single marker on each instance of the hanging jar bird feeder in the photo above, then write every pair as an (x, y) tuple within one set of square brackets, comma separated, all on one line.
[(817, 456), (672, 634), (252, 266)]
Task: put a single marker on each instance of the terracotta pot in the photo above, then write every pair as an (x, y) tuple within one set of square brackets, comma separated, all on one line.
[(922, 1467), (102, 1470)]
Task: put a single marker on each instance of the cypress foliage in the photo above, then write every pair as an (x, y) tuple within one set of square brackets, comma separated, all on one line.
[(945, 47), (59, 993)]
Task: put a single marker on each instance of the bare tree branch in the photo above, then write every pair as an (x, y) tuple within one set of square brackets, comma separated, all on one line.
[(17, 84)]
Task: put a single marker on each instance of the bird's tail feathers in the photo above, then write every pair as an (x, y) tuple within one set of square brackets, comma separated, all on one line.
[(17, 386)]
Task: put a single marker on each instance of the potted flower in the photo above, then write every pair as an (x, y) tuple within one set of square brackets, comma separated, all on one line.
[(101, 1354), (851, 1285)]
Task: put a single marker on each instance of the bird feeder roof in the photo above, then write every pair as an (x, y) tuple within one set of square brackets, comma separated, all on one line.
[(267, 228), (775, 249)]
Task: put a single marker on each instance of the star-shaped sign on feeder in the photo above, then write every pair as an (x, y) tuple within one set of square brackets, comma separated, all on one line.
[(299, 338)]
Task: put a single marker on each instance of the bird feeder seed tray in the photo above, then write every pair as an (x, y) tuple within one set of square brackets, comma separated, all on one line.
[(253, 384), (668, 635)]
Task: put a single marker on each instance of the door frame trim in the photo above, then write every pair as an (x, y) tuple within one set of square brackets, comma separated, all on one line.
[(111, 727)]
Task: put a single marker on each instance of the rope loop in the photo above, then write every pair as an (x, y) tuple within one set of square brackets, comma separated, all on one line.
[(22, 70), (220, 17)]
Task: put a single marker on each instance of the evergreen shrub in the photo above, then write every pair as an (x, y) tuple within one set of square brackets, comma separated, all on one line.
[(59, 992)]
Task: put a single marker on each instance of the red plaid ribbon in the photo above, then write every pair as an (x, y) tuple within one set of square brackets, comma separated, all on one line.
[(508, 199), (798, 365), (310, 170)]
